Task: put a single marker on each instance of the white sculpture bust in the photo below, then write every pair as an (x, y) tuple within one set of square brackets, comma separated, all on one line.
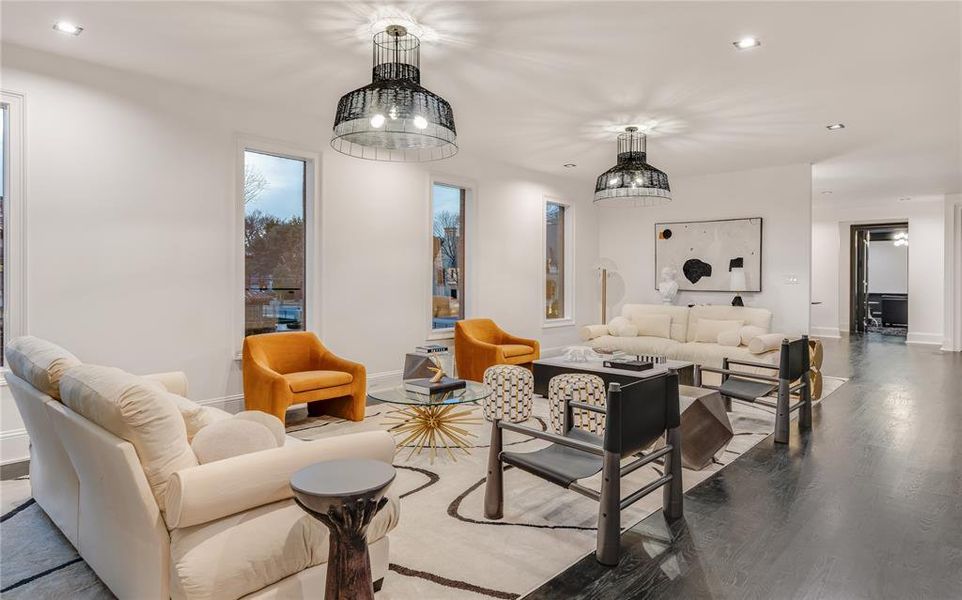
[(668, 287)]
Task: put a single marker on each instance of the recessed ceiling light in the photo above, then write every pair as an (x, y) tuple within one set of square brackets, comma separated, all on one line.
[(826, 192), (570, 165), (747, 42), (67, 27), (835, 126), (905, 199)]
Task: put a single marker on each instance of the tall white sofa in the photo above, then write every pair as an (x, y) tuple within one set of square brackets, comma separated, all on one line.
[(224, 529), (681, 344)]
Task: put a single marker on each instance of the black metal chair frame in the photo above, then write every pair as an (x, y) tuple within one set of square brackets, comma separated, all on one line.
[(793, 365), (581, 447)]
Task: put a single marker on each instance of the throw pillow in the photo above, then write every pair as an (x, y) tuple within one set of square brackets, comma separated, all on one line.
[(231, 437), (729, 338), (196, 417), (749, 332), (622, 327), (653, 325), (269, 421), (764, 343), (707, 330)]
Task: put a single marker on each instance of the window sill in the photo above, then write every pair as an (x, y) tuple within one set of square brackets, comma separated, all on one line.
[(553, 323)]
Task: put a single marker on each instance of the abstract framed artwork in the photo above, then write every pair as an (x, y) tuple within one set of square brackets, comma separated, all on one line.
[(711, 256)]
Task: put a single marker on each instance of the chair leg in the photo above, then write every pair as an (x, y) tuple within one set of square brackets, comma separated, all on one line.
[(494, 484), (805, 410), (782, 416), (673, 492), (608, 549)]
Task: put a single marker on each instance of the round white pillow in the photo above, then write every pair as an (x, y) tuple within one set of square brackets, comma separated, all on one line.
[(231, 437), (269, 421), (766, 343), (750, 332), (729, 338), (622, 327)]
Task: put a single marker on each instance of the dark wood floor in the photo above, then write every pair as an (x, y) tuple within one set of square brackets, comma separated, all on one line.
[(867, 505)]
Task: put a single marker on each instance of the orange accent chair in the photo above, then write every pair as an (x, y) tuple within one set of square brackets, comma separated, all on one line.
[(479, 344), (286, 368)]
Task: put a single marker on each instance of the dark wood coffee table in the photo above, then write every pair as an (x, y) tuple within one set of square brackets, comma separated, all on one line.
[(345, 495)]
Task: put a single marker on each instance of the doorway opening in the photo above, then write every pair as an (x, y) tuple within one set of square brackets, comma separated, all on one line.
[(879, 279)]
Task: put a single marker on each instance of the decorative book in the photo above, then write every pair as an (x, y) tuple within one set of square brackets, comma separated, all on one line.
[(426, 386), (628, 365), (431, 349)]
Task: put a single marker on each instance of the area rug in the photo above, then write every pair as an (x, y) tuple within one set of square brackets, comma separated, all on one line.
[(442, 548)]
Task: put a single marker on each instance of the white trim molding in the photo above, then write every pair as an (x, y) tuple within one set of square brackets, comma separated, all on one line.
[(915, 337), (569, 262), (825, 332), (14, 446), (470, 188), (15, 218), (313, 264)]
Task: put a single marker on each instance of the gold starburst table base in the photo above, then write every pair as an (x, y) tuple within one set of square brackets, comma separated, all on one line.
[(434, 426)]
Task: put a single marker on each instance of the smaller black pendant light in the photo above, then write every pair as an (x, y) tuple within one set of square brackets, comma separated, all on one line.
[(394, 118), (632, 182)]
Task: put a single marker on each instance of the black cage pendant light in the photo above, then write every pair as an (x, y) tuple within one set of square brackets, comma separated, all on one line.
[(394, 118), (632, 182)]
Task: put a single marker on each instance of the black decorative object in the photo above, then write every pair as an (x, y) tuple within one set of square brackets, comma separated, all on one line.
[(632, 182), (395, 118), (736, 263), (695, 269), (737, 301)]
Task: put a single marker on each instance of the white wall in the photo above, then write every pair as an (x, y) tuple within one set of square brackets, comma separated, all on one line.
[(888, 267), (780, 195), (832, 221), (131, 229)]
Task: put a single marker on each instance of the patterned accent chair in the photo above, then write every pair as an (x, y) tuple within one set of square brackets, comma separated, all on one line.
[(576, 387), (480, 343), (287, 368), (512, 393)]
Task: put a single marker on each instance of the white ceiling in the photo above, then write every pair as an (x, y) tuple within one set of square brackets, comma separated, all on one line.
[(545, 83)]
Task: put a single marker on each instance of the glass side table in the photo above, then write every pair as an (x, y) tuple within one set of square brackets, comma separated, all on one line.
[(433, 421)]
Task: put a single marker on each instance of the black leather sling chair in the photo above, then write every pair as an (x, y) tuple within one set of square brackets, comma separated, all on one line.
[(636, 415), (793, 366)]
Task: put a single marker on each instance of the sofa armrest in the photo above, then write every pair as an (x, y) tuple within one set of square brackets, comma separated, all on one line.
[(175, 382), (590, 332), (225, 487)]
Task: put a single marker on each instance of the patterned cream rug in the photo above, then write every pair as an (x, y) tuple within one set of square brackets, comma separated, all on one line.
[(443, 547)]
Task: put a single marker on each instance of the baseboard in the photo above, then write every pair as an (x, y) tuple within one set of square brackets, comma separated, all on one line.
[(914, 337), (825, 332), (232, 404), (14, 446), (384, 379)]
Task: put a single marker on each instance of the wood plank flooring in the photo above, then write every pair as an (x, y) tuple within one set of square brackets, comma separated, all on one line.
[(866, 505)]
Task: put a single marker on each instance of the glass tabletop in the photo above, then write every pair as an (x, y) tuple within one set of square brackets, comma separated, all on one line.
[(473, 392)]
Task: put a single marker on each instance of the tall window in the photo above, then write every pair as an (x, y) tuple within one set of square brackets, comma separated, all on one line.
[(555, 260), (447, 261), (275, 191)]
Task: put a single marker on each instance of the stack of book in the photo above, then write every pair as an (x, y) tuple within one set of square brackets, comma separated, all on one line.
[(427, 387)]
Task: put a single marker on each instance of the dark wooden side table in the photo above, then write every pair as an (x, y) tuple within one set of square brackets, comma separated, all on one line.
[(345, 495)]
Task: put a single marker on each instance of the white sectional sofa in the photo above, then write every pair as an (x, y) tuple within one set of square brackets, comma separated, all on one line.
[(681, 344), (112, 467)]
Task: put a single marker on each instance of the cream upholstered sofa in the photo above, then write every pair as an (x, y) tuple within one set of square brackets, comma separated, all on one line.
[(111, 465), (680, 343)]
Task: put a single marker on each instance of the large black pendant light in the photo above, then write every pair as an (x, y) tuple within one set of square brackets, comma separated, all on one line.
[(632, 182), (394, 118)]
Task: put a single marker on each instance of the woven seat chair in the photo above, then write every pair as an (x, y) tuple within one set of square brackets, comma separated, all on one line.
[(512, 393), (578, 387)]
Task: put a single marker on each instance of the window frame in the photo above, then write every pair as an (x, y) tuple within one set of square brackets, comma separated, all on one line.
[(569, 263), (313, 266), (15, 221), (470, 201)]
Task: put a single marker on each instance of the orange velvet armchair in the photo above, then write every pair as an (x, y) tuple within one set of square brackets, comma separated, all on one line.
[(480, 343), (286, 368)]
